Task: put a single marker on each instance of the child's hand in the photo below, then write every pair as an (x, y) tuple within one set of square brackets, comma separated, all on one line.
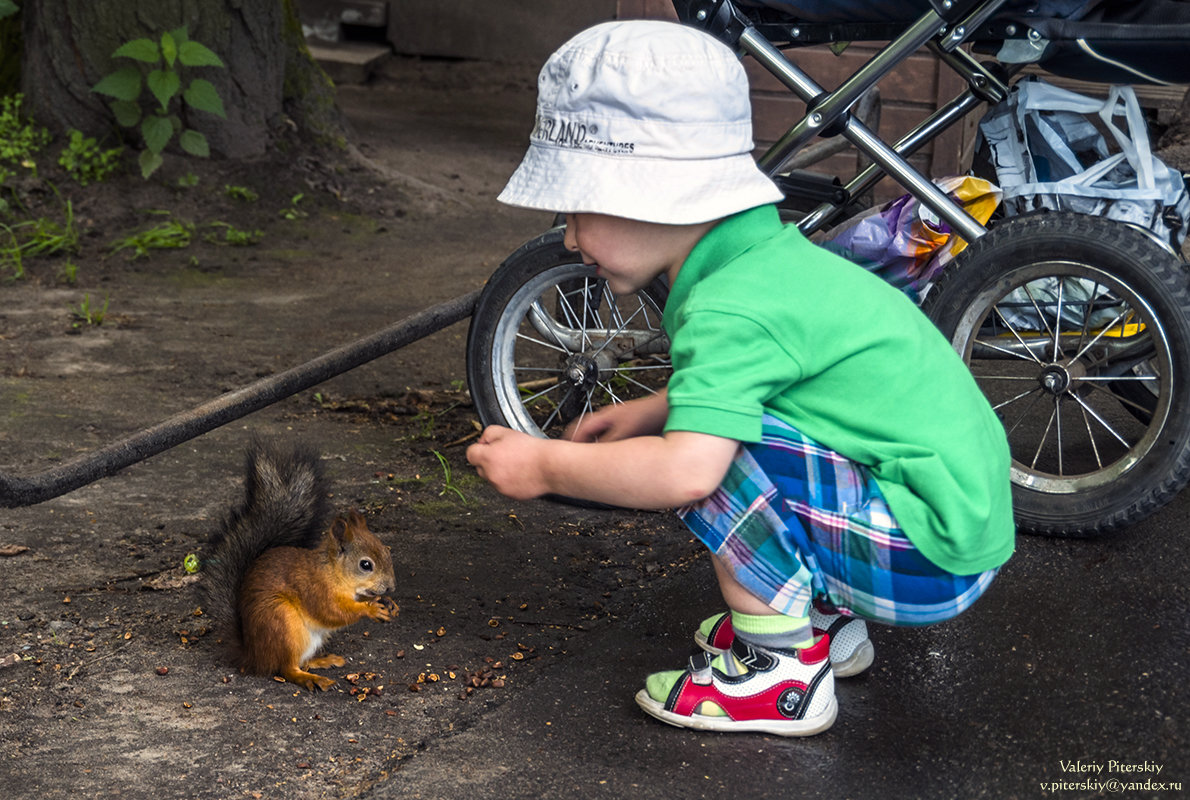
[(510, 461), (596, 426), (641, 417)]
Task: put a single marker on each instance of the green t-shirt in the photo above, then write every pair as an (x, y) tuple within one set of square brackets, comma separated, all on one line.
[(762, 320)]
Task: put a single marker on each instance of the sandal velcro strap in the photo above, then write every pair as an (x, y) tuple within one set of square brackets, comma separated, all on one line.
[(700, 668), (753, 658)]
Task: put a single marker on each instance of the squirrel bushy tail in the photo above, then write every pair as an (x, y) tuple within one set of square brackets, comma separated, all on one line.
[(285, 505)]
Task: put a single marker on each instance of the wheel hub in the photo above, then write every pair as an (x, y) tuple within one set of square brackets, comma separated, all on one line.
[(1054, 379), (581, 371)]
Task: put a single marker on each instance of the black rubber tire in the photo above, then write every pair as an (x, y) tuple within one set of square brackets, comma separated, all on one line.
[(499, 360), (1091, 482)]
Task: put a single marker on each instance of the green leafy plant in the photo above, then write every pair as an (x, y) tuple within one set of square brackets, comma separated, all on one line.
[(241, 193), (158, 121), (188, 181), (292, 212), (85, 314), (169, 234), (20, 139), (233, 235), (85, 161)]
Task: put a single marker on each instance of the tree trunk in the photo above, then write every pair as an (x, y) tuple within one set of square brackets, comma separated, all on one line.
[(270, 80)]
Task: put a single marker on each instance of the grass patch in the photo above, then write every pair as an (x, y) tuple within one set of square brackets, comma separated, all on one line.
[(171, 234)]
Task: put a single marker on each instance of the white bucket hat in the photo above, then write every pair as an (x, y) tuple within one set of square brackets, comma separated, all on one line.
[(646, 120)]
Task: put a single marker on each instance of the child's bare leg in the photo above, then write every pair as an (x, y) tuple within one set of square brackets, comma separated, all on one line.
[(757, 622), (735, 595)]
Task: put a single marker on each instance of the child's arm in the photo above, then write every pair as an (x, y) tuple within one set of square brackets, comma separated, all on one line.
[(644, 416), (641, 472)]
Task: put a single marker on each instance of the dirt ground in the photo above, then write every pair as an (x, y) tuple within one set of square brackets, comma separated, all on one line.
[(111, 682), (524, 628)]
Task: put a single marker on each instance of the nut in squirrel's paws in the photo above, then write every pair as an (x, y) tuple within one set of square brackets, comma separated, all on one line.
[(386, 609)]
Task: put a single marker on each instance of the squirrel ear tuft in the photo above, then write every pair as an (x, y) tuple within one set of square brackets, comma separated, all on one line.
[(344, 529), (341, 531)]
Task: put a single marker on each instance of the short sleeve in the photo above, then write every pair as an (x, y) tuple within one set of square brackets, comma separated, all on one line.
[(725, 367)]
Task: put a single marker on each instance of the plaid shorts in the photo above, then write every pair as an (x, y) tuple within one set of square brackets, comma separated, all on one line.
[(797, 522)]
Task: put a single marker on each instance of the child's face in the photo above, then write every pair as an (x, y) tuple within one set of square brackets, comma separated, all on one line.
[(629, 254)]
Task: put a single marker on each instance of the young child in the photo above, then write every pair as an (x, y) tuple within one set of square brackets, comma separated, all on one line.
[(818, 434)]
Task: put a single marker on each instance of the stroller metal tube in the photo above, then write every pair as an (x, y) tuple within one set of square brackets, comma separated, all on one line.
[(937, 122), (917, 184), (832, 106), (858, 134)]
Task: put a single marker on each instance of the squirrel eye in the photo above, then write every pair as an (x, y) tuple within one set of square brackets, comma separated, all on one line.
[(365, 564)]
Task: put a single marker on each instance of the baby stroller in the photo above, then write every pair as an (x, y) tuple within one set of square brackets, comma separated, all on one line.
[(1076, 327)]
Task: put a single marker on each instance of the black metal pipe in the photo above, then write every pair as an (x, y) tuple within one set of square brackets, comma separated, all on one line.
[(226, 408)]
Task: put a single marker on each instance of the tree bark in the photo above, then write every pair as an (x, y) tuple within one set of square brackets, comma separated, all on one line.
[(270, 80)]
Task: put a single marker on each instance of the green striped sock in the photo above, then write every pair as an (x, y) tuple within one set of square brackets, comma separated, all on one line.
[(773, 630)]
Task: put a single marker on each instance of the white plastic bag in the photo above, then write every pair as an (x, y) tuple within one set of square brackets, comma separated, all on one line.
[(1048, 154)]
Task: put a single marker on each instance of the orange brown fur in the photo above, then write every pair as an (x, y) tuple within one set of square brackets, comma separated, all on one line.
[(293, 598), (280, 581)]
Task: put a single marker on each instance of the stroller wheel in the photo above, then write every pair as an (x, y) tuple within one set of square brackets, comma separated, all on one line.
[(549, 342), (1078, 331)]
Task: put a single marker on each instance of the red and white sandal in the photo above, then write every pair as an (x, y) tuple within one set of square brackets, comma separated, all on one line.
[(781, 692), (851, 649)]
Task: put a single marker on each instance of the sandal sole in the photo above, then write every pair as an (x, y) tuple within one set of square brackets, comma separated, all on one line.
[(776, 727), (860, 660)]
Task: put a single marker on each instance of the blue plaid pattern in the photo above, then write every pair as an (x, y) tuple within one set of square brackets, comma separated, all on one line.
[(797, 522)]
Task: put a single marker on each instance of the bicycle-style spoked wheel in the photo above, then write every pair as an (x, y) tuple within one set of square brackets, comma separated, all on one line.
[(1078, 331), (549, 342)]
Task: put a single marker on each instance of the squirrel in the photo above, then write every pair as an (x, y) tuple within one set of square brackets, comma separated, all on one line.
[(280, 580)]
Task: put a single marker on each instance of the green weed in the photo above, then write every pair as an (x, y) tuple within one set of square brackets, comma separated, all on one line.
[(447, 478), (159, 114), (292, 212), (69, 272), (20, 139), (10, 254), (241, 193), (86, 162), (38, 237), (188, 181), (233, 235), (85, 314), (168, 235)]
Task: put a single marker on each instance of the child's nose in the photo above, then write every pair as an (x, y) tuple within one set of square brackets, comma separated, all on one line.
[(568, 239)]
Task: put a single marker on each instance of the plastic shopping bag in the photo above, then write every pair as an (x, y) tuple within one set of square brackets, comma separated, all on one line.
[(1048, 152), (907, 244)]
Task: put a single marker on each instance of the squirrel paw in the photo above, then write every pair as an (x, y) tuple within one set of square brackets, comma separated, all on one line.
[(383, 608), (309, 680)]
